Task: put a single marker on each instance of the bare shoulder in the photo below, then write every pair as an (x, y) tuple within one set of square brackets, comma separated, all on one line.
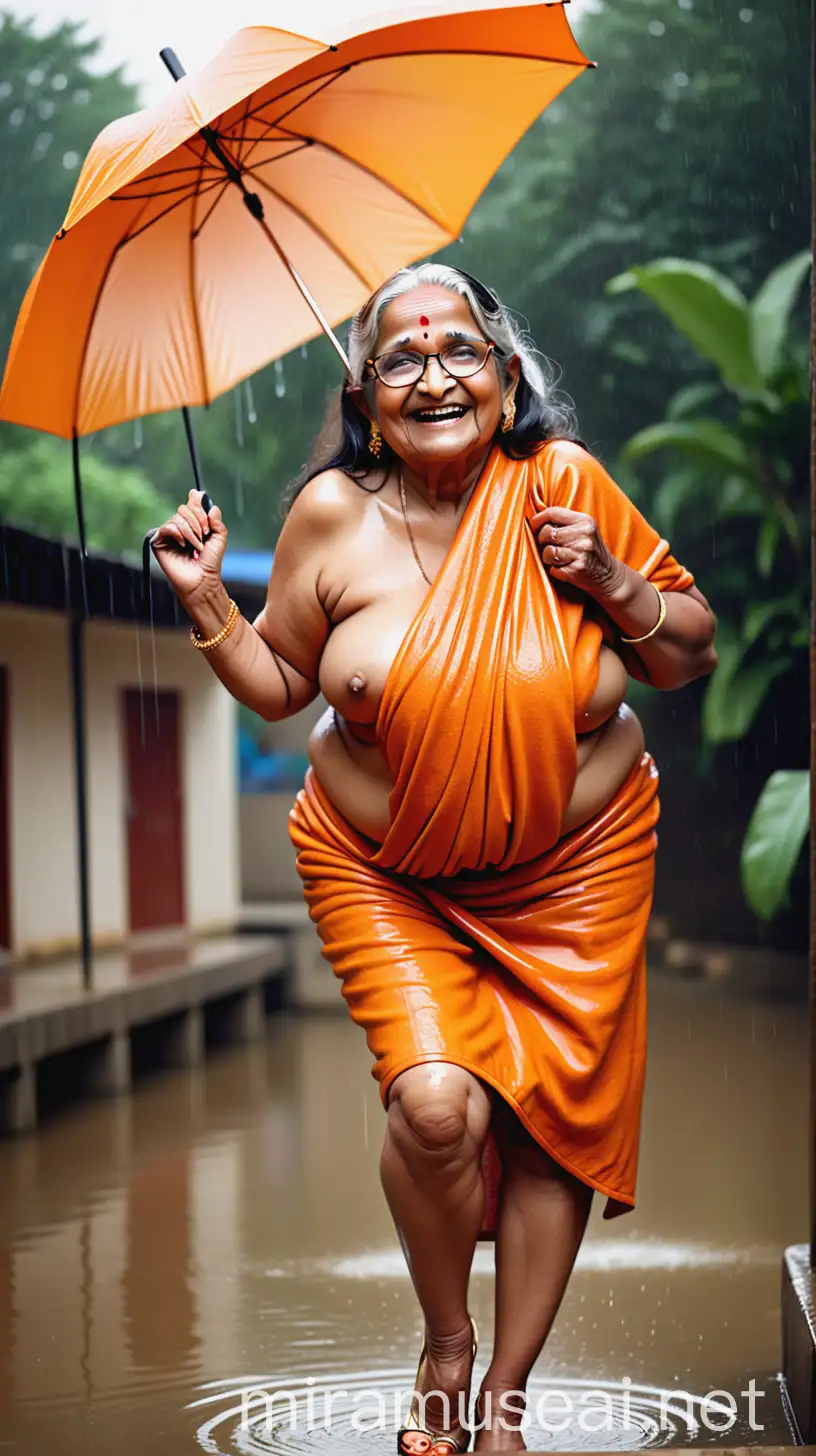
[(324, 507)]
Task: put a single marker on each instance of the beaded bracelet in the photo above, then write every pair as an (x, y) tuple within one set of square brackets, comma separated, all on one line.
[(232, 618), (659, 623)]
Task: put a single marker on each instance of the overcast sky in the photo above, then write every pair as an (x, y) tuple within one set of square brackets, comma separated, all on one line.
[(134, 33)]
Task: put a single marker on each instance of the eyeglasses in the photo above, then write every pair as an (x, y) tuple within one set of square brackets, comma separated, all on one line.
[(402, 368)]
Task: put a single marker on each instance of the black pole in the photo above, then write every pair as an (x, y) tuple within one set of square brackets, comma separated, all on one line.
[(80, 515), (193, 448), (80, 759)]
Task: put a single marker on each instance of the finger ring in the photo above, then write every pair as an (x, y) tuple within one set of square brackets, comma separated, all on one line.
[(554, 534), (556, 554)]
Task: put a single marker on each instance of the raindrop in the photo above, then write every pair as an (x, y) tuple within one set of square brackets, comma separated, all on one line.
[(239, 420), (70, 160), (138, 435), (239, 493), (656, 27), (680, 79), (46, 109), (17, 116), (82, 96), (6, 89), (59, 82), (304, 351), (280, 382), (252, 416), (746, 15), (36, 77)]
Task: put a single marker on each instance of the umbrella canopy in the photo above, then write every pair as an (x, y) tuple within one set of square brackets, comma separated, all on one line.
[(357, 153)]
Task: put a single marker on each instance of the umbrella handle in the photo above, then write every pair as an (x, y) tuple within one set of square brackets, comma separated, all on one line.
[(147, 543)]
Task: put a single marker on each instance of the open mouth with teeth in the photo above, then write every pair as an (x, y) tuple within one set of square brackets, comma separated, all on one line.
[(440, 415)]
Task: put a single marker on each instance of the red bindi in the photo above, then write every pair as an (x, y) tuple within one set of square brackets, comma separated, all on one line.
[(423, 322)]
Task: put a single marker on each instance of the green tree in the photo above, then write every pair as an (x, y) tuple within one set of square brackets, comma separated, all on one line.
[(742, 465), (53, 102), (37, 492)]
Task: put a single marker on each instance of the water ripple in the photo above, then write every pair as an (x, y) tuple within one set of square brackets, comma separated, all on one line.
[(580, 1415)]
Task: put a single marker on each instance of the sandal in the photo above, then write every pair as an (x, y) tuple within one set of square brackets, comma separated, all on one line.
[(414, 1440)]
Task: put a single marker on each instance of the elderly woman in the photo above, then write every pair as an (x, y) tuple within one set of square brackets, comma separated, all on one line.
[(469, 590)]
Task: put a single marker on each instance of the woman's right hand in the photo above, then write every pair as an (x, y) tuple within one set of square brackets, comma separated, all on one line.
[(190, 563)]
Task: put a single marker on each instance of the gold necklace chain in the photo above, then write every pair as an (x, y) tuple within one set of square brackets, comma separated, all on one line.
[(410, 532)]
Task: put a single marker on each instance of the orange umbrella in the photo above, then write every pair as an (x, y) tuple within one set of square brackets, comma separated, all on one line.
[(289, 170)]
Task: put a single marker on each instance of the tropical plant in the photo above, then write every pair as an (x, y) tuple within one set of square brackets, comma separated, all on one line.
[(738, 441)]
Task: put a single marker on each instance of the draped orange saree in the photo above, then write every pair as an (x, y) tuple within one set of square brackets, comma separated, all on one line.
[(473, 934)]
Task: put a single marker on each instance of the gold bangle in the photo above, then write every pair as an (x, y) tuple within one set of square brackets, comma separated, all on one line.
[(659, 623), (232, 618)]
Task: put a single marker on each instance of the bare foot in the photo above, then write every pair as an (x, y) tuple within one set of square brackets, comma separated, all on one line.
[(500, 1431), (447, 1368)]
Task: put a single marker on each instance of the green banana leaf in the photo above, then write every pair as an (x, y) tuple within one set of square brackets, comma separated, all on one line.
[(706, 307), (773, 842), (770, 311), (714, 442)]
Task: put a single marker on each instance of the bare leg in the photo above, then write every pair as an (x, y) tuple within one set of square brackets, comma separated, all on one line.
[(438, 1119), (542, 1218)]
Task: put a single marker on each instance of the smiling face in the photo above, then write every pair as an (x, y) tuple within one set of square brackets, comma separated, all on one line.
[(439, 420)]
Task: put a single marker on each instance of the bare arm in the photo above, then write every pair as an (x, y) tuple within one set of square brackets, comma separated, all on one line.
[(575, 551), (682, 650), (270, 665)]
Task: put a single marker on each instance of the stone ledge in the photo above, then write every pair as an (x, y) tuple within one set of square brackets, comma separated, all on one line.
[(799, 1338), (31, 1033)]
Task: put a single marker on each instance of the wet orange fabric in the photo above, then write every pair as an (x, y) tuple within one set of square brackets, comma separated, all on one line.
[(367, 143), (473, 934)]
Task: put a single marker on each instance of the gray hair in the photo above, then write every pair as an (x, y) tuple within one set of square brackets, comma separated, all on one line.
[(494, 320)]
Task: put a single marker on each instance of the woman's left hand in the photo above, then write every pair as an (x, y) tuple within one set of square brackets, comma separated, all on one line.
[(574, 551)]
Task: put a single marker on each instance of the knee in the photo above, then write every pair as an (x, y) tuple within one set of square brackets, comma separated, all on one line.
[(433, 1116)]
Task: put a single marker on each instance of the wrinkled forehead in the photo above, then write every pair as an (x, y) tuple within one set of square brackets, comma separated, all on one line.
[(431, 311)]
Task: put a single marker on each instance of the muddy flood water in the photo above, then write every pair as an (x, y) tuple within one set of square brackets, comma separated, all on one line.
[(224, 1229)]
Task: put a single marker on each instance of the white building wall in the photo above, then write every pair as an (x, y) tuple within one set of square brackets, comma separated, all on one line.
[(35, 646), (42, 827)]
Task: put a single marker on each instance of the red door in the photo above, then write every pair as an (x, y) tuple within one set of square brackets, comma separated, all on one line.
[(5, 834), (155, 841)]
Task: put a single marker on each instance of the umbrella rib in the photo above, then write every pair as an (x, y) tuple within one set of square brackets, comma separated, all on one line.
[(290, 90), (369, 171), (281, 157), (183, 187), (193, 234), (165, 213), (173, 171), (213, 205), (310, 223)]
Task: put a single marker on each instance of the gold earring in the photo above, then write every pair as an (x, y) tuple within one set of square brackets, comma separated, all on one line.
[(375, 440), (509, 417)]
